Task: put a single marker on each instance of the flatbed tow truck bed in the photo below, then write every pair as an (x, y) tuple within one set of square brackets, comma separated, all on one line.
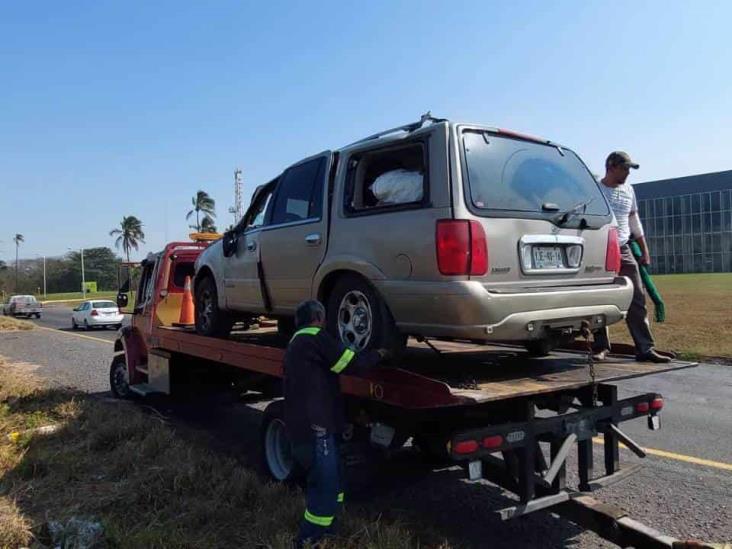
[(502, 415), (446, 374)]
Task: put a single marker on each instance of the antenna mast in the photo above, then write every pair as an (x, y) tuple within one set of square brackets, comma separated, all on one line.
[(236, 209)]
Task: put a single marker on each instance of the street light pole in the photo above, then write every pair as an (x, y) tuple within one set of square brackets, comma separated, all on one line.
[(44, 277), (83, 281)]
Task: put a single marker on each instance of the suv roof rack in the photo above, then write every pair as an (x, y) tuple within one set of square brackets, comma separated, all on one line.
[(409, 128)]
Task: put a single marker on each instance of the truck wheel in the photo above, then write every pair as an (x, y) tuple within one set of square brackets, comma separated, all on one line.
[(277, 455), (210, 320), (358, 316), (540, 347), (119, 378)]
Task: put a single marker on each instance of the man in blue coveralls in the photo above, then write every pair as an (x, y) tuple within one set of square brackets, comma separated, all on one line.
[(315, 414)]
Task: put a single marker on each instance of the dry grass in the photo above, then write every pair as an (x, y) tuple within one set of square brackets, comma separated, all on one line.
[(148, 486), (10, 324), (697, 315)]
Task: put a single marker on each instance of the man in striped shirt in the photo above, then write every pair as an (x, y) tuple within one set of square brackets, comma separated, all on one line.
[(621, 197)]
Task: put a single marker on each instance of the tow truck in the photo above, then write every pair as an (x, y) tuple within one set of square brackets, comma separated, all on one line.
[(494, 410)]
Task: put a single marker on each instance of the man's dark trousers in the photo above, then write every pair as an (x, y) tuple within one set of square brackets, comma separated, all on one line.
[(324, 489), (637, 317)]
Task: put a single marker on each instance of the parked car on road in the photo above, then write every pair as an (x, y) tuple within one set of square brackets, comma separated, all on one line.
[(433, 229), (23, 305), (93, 314)]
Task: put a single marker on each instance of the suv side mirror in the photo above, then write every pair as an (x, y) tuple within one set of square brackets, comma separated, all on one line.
[(229, 243), (122, 300)]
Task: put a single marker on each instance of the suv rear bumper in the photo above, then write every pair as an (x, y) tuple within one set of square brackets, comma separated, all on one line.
[(467, 309)]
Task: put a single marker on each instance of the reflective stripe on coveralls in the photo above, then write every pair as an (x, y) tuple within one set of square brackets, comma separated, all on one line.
[(346, 357), (312, 330), (341, 497), (343, 361), (317, 520)]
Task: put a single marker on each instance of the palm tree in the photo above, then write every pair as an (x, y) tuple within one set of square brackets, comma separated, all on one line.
[(202, 202), (129, 235), (18, 238), (208, 225)]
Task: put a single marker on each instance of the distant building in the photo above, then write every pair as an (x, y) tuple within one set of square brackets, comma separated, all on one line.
[(688, 222)]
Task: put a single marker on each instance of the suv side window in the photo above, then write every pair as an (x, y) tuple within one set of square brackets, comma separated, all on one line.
[(387, 179), (300, 193), (257, 213)]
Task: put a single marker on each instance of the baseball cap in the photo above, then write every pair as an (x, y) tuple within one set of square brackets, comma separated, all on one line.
[(620, 158)]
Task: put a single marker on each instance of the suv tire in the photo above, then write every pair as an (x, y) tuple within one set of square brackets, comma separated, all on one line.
[(540, 347), (352, 296), (210, 320)]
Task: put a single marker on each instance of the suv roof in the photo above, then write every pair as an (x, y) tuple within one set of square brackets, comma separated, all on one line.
[(401, 132)]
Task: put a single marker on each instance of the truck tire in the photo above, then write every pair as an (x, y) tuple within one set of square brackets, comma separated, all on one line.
[(276, 448), (119, 379), (210, 320), (359, 317)]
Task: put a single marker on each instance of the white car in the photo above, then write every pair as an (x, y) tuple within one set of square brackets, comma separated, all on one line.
[(92, 313)]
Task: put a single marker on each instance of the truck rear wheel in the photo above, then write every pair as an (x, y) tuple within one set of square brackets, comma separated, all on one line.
[(277, 454), (358, 316), (210, 320), (119, 378)]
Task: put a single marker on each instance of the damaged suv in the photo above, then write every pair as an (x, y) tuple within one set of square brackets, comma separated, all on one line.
[(433, 229)]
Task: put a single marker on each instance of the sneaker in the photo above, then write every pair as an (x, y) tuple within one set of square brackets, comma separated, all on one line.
[(653, 356), (600, 356)]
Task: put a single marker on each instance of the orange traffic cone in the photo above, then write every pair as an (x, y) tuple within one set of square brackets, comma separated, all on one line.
[(186, 306)]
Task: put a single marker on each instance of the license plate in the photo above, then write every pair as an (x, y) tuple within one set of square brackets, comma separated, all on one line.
[(547, 257)]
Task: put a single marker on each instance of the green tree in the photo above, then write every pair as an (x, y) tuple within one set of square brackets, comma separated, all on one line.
[(208, 225), (100, 266), (202, 202), (18, 238), (129, 235)]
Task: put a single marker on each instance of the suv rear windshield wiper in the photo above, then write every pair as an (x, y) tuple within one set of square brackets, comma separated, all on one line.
[(563, 217)]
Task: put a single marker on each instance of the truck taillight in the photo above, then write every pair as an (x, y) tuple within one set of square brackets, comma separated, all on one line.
[(492, 442), (657, 404), (465, 447), (94, 313), (612, 256), (642, 407), (462, 248)]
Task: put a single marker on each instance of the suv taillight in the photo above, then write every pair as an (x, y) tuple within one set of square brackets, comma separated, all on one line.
[(612, 256), (462, 248)]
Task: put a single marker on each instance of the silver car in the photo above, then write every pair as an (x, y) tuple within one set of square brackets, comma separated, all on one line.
[(434, 229)]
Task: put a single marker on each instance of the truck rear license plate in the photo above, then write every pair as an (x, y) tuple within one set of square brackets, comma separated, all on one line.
[(547, 257)]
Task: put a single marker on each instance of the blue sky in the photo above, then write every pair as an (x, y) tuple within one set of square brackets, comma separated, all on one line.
[(128, 108)]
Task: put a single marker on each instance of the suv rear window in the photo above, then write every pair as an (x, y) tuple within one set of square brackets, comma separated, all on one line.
[(523, 176)]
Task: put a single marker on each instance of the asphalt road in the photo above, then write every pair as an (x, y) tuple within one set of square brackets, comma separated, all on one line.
[(683, 490)]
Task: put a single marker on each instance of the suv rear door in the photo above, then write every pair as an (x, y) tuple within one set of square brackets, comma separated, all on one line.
[(293, 243), (545, 218)]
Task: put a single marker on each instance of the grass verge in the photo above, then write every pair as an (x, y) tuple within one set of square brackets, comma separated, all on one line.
[(10, 324), (697, 311), (145, 484)]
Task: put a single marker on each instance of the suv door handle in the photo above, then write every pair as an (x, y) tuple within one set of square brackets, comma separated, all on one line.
[(251, 246), (313, 239)]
